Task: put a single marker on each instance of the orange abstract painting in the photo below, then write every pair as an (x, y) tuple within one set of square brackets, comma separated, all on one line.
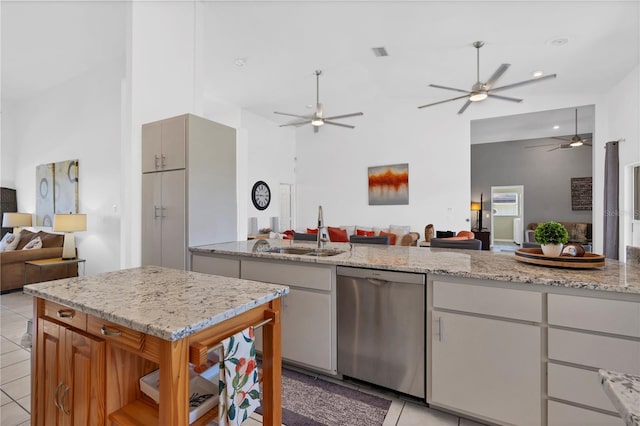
[(389, 184)]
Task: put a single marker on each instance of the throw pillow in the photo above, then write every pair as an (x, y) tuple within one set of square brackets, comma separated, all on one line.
[(338, 235), (351, 229), (9, 241), (392, 237), (50, 240), (25, 237), (400, 231), (312, 231), (36, 243), (363, 233), (466, 234)]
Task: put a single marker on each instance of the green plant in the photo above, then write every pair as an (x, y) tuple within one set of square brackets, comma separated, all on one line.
[(551, 233)]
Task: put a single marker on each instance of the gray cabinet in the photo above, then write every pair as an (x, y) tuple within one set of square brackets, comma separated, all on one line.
[(188, 188)]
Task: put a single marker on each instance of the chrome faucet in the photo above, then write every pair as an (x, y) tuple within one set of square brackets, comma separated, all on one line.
[(322, 238)]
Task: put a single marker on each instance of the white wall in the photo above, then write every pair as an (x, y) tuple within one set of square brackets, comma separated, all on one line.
[(332, 165), (623, 103), (79, 119)]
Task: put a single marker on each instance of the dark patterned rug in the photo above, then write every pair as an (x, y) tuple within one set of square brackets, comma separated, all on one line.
[(311, 401)]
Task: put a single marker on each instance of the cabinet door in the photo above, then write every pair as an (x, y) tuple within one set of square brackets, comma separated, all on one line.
[(151, 147), (84, 401), (49, 373), (487, 367), (174, 243), (306, 328), (152, 219), (173, 143)]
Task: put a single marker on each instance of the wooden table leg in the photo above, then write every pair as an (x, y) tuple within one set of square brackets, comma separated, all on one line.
[(272, 368), (174, 383)]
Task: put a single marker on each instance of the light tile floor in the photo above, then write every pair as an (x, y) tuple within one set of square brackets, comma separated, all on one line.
[(15, 385)]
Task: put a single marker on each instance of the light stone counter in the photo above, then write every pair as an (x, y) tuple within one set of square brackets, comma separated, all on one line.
[(624, 391), (166, 303), (501, 266)]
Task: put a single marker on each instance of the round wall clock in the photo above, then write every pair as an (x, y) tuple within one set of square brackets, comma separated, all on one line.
[(260, 195)]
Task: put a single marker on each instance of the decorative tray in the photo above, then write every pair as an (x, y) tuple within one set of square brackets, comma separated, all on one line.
[(535, 257)]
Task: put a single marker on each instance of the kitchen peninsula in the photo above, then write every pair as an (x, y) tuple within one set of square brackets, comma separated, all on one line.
[(95, 336), (505, 342)]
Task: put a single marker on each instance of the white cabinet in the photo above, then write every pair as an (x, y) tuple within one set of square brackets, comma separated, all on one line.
[(163, 146), (309, 336), (485, 360), (188, 188)]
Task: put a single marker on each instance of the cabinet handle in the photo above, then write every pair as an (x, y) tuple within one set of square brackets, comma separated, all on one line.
[(440, 328), (55, 396), (155, 212), (162, 210), (157, 158), (62, 397), (62, 313), (106, 332), (164, 160)]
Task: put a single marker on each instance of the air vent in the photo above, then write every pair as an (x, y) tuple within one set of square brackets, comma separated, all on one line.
[(380, 51)]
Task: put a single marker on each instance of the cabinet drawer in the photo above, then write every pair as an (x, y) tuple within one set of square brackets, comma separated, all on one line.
[(66, 315), (116, 333), (607, 316), (215, 265), (568, 415), (297, 275), (594, 351), (577, 385), (501, 302)]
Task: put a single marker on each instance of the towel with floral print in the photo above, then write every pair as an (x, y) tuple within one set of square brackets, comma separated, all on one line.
[(239, 387)]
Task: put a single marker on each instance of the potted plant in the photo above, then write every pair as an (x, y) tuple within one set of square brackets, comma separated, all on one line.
[(551, 236)]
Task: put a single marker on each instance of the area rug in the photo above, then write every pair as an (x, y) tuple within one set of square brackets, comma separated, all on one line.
[(310, 401)]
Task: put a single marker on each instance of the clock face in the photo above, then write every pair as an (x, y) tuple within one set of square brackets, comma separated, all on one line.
[(260, 195)]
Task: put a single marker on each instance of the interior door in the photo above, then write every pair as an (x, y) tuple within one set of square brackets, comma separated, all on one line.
[(151, 219), (507, 216)]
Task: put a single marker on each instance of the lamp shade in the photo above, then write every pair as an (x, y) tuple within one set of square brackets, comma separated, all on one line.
[(14, 220), (69, 222), (475, 206)]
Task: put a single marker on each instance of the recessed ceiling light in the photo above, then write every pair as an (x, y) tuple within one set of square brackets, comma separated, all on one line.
[(240, 62), (537, 74), (556, 127), (558, 41)]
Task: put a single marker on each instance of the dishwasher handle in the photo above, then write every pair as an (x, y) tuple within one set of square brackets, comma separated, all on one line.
[(377, 282)]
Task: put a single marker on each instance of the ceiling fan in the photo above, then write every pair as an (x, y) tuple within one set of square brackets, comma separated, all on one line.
[(317, 119), (573, 142), (480, 91)]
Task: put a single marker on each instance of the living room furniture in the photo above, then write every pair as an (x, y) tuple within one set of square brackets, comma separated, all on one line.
[(485, 237), (16, 220), (69, 223), (530, 241), (378, 239), (301, 236), (579, 232), (12, 263), (188, 187), (42, 264), (8, 204), (472, 244)]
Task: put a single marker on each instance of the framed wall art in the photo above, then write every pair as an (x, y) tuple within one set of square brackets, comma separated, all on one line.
[(389, 185)]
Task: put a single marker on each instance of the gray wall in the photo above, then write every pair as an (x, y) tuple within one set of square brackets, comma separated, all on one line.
[(546, 177)]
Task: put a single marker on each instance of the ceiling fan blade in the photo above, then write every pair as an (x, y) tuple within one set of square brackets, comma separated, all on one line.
[(464, 107), (437, 86), (539, 146), (504, 98), (339, 124), (522, 83), (344, 116), (553, 149), (292, 115), (496, 75), (297, 123), (561, 139), (441, 102)]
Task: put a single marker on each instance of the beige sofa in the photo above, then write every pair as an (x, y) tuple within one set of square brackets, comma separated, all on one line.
[(12, 263)]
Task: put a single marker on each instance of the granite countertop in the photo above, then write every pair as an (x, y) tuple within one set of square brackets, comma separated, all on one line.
[(501, 266), (624, 391), (167, 303)]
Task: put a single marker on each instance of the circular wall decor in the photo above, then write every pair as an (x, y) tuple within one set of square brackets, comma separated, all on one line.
[(260, 195)]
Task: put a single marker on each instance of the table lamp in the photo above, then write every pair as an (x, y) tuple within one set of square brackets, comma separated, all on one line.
[(69, 223), (16, 221), (476, 207)]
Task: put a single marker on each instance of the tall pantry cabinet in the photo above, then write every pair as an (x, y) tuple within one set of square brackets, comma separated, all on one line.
[(188, 188)]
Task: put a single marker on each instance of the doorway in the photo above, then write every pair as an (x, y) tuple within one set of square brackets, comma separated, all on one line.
[(507, 217), (286, 207)]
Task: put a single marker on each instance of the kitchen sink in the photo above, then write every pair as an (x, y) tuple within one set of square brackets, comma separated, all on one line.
[(324, 252), (304, 251)]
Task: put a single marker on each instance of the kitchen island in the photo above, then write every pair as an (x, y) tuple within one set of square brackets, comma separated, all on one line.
[(506, 342), (95, 336)]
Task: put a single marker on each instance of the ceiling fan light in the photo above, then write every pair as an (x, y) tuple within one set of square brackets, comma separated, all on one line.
[(576, 144), (478, 96), (317, 122)]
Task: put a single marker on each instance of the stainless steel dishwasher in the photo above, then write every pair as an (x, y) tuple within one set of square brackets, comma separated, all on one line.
[(381, 328)]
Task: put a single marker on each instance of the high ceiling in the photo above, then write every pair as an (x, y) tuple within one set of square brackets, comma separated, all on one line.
[(282, 44)]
